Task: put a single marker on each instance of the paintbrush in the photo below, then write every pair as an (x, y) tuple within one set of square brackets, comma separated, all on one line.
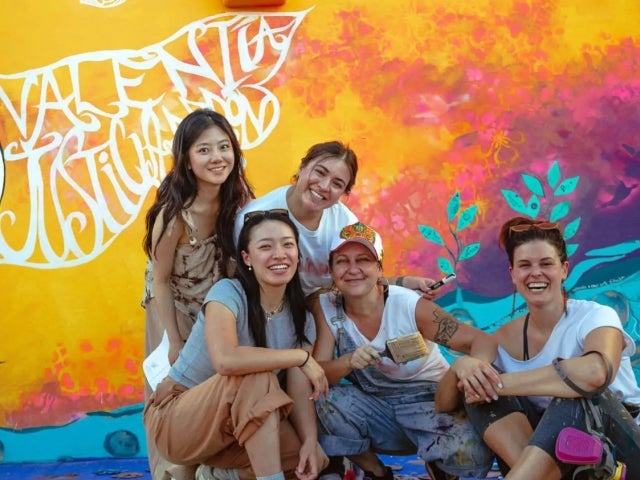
[(405, 348)]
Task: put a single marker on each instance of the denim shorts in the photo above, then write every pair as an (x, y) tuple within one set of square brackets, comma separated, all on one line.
[(401, 420)]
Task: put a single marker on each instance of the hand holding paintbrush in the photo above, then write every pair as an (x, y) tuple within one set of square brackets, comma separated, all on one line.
[(405, 348)]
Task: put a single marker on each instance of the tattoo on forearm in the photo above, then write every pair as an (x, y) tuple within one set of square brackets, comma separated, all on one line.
[(447, 326)]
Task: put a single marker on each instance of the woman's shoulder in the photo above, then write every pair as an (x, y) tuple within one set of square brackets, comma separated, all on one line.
[(330, 298), (399, 294), (342, 213), (276, 198), (510, 330), (227, 286), (584, 307)]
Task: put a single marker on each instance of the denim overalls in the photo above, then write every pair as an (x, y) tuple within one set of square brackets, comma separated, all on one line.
[(376, 412)]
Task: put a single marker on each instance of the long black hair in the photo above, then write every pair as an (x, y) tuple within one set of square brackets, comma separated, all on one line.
[(294, 296), (179, 188)]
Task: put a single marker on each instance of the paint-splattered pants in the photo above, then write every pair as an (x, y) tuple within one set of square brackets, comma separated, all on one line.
[(401, 420)]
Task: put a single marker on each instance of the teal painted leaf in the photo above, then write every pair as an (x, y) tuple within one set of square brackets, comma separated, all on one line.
[(571, 228), (533, 184), (553, 175), (469, 251), (466, 217), (567, 186), (445, 265), (514, 201), (533, 207), (571, 249), (431, 234), (560, 211), (453, 206)]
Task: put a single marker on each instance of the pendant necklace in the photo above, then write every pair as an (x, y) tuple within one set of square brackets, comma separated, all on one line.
[(270, 314)]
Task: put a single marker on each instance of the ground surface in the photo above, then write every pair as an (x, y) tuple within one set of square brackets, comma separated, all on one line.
[(108, 468)]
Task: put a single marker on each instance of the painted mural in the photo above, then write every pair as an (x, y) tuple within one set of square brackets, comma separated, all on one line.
[(462, 114)]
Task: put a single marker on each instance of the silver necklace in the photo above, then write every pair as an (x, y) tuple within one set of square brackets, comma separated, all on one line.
[(270, 314)]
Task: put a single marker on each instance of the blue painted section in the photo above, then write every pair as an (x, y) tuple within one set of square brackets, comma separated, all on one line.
[(83, 438)]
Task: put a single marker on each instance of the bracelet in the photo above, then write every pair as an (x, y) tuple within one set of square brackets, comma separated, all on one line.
[(305, 360), (400, 281), (583, 393)]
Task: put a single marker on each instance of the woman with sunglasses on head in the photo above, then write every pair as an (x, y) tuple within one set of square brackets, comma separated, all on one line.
[(239, 396), (565, 363), (388, 406), (326, 173), (189, 241)]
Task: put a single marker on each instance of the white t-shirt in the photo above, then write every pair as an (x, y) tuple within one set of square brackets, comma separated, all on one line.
[(398, 318), (567, 340), (314, 244)]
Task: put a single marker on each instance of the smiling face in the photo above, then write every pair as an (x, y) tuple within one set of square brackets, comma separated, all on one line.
[(354, 269), (272, 253), (321, 183), (538, 272), (211, 157)]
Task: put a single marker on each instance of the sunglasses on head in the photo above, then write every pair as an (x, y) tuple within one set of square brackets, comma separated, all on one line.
[(523, 227), (262, 213)]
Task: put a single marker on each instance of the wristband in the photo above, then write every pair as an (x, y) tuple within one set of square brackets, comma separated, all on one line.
[(399, 281), (583, 393), (305, 360)]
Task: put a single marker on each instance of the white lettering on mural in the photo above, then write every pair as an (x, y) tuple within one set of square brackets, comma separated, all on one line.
[(102, 3), (86, 138)]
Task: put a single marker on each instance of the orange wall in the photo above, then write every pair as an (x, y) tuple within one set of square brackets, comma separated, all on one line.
[(446, 103)]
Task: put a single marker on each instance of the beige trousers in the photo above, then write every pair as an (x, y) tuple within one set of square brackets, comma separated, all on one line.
[(209, 423)]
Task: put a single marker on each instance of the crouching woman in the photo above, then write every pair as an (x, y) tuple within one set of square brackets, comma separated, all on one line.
[(240, 394), (388, 407)]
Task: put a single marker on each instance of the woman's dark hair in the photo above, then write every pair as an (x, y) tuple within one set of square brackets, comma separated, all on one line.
[(179, 188), (521, 230), (294, 296), (333, 149)]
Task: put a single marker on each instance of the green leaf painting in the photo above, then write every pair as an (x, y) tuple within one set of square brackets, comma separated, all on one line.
[(456, 250), (571, 228), (561, 210), (469, 251), (571, 248), (533, 207), (567, 186), (466, 218), (553, 175), (545, 205), (445, 265), (431, 234), (515, 201), (533, 184), (453, 207)]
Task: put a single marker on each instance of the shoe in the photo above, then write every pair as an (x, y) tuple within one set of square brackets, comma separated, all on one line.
[(334, 471), (436, 474), (330, 476), (388, 475), (207, 472)]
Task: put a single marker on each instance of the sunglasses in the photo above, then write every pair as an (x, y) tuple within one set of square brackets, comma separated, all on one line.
[(263, 213), (541, 226)]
